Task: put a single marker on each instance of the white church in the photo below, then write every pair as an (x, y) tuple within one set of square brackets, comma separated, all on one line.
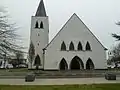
[(74, 47)]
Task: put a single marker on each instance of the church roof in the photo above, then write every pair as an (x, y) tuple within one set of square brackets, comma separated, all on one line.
[(83, 24), (41, 10)]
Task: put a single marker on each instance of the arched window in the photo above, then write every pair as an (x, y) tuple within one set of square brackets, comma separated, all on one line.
[(88, 48), (37, 25), (71, 47), (80, 46), (63, 46), (41, 25)]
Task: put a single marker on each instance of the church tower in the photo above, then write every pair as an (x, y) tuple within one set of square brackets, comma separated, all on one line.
[(39, 35)]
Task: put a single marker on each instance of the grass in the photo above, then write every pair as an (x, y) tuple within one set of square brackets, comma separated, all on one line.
[(64, 87), (19, 70), (16, 70), (12, 72)]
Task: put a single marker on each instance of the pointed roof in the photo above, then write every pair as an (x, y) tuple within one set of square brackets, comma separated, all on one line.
[(83, 24), (41, 10)]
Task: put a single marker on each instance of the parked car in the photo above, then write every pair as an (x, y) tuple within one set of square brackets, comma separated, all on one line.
[(111, 66), (22, 66), (5, 65), (9, 66)]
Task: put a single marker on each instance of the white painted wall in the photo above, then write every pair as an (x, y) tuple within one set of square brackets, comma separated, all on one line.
[(42, 39), (74, 31)]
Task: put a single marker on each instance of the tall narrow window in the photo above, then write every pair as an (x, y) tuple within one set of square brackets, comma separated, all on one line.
[(37, 25), (63, 46), (71, 47), (80, 46), (41, 25), (88, 48)]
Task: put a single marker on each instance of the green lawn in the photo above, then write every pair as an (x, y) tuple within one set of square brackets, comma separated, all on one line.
[(65, 87), (15, 70)]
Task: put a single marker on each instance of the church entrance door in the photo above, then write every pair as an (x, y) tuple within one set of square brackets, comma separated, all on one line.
[(76, 64), (63, 65), (89, 64), (37, 62)]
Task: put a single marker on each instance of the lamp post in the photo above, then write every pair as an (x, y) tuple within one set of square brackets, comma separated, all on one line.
[(44, 58), (4, 59)]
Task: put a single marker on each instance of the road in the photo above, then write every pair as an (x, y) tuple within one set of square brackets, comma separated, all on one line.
[(57, 81)]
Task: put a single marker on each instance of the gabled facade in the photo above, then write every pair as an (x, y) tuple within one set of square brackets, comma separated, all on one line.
[(75, 33), (73, 48)]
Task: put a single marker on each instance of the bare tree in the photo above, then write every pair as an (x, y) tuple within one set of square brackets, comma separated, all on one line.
[(8, 35), (31, 53), (19, 57), (116, 51), (115, 35), (115, 58)]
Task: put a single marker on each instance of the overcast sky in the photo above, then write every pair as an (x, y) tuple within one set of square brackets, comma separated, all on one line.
[(99, 15)]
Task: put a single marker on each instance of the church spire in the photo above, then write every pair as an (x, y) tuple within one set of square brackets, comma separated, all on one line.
[(41, 10)]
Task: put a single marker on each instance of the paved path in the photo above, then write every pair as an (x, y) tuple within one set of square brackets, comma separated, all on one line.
[(57, 81)]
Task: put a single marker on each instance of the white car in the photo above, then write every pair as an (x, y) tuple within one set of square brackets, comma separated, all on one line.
[(111, 66), (22, 66), (9, 66)]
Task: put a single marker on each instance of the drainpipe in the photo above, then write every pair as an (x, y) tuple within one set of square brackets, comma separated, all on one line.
[(43, 58)]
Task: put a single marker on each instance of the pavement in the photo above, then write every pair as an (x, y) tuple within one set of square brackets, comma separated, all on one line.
[(59, 81)]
